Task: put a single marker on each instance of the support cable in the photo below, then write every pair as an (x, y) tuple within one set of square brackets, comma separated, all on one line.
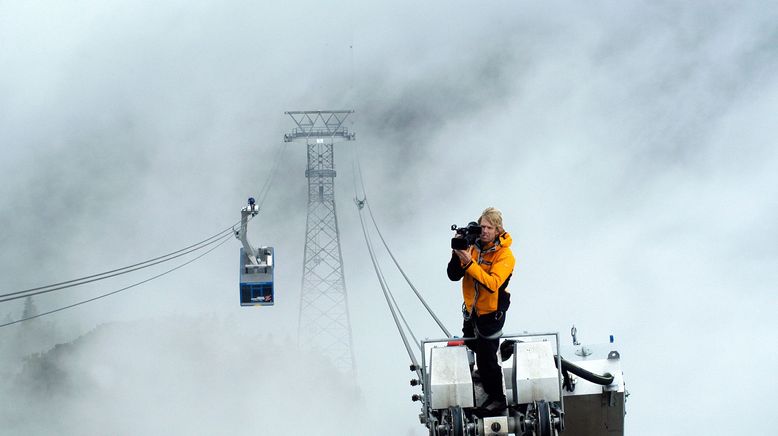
[(404, 338), (415, 291), (223, 239), (358, 170), (116, 272), (407, 326), (379, 272), (382, 279), (394, 301), (271, 176), (10, 296)]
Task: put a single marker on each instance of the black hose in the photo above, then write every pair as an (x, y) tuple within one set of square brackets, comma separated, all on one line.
[(506, 351), (604, 379)]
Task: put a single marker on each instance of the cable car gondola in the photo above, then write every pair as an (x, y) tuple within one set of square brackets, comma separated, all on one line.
[(256, 280), (256, 266)]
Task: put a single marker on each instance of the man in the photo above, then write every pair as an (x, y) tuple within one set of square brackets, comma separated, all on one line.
[(485, 269)]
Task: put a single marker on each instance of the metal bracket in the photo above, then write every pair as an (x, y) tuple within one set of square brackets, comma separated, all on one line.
[(609, 398), (251, 210), (583, 351)]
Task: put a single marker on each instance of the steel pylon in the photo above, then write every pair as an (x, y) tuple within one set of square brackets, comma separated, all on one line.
[(324, 318)]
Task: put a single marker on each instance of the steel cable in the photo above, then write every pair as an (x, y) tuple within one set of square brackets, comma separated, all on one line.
[(404, 338), (269, 181), (115, 272), (220, 237), (10, 296), (391, 295), (224, 239), (358, 171), (415, 291)]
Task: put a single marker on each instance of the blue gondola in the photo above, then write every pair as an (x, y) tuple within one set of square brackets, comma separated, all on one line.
[(256, 265), (256, 281)]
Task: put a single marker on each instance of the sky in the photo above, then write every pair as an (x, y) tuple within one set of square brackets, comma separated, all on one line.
[(629, 145)]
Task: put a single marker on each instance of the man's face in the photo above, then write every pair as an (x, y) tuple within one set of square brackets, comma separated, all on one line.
[(488, 231)]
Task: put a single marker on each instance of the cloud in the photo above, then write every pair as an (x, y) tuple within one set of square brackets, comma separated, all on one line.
[(629, 146), (202, 376)]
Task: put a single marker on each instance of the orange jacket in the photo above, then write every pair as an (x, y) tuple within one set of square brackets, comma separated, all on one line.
[(485, 279)]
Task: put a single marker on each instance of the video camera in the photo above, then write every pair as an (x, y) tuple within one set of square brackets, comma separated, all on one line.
[(466, 236)]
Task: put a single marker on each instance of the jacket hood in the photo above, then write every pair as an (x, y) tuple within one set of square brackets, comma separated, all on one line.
[(505, 239)]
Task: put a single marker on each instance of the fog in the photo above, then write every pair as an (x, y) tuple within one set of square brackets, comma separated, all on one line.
[(630, 146)]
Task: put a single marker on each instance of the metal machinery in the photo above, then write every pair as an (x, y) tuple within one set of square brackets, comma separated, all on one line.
[(324, 319), (547, 395), (256, 265)]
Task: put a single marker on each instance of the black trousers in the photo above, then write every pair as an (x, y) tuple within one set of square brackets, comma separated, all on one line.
[(486, 349)]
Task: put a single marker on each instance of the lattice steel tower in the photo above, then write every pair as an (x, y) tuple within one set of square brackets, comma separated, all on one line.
[(324, 319)]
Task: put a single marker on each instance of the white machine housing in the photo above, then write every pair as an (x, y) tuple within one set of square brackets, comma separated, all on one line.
[(535, 376), (450, 381)]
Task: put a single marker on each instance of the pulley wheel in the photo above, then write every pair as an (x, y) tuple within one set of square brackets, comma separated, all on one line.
[(544, 424), (457, 422)]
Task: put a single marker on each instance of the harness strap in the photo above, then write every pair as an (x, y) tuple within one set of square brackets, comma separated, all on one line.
[(495, 335)]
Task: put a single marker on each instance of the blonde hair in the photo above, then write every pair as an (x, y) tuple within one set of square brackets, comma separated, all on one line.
[(494, 216)]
